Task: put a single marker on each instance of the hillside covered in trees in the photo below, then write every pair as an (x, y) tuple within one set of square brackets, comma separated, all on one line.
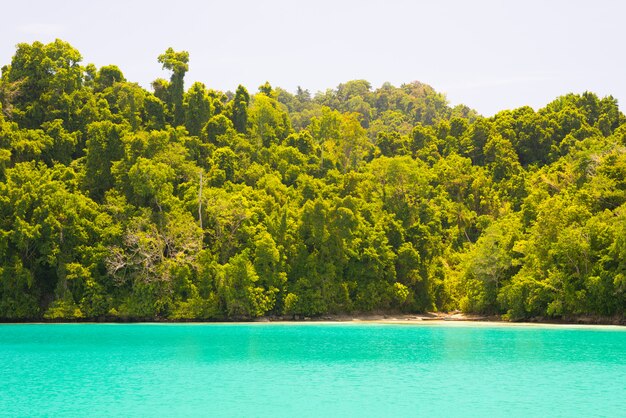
[(192, 203)]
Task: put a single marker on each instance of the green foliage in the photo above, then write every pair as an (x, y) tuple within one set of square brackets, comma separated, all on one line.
[(104, 147), (116, 202), (240, 109), (177, 63), (40, 80), (107, 76), (269, 123), (219, 130), (197, 108)]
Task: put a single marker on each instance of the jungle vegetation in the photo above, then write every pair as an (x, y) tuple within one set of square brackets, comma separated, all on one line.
[(117, 202)]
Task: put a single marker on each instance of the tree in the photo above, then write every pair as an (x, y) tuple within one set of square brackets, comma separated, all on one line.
[(197, 108), (268, 120), (242, 296), (104, 147), (489, 264), (107, 76), (39, 79), (177, 63), (219, 130), (240, 109)]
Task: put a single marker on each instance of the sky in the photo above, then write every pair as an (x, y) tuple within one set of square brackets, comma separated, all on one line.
[(487, 54)]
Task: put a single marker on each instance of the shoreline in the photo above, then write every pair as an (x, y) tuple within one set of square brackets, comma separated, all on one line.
[(451, 318), (434, 318)]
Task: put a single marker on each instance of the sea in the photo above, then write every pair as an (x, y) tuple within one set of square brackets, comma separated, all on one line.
[(354, 369)]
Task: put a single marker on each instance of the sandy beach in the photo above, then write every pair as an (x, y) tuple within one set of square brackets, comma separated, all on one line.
[(450, 318), (455, 318)]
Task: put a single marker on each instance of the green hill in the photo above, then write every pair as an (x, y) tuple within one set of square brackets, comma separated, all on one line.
[(118, 202)]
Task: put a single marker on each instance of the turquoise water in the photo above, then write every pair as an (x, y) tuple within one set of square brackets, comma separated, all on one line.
[(326, 370)]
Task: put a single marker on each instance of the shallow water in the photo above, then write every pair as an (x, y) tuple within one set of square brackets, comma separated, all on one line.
[(327, 370)]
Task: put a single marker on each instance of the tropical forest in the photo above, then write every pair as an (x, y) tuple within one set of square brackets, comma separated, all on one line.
[(182, 202)]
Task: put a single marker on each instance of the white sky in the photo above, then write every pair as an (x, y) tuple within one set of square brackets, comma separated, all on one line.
[(487, 54)]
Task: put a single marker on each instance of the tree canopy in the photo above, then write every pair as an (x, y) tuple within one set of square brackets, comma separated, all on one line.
[(119, 202)]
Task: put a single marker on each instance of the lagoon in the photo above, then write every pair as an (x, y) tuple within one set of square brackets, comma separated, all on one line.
[(312, 369)]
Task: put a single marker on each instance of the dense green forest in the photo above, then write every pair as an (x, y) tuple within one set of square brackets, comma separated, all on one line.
[(118, 202)]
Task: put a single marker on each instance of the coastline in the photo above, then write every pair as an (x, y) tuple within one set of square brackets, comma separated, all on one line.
[(434, 318), (452, 318)]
